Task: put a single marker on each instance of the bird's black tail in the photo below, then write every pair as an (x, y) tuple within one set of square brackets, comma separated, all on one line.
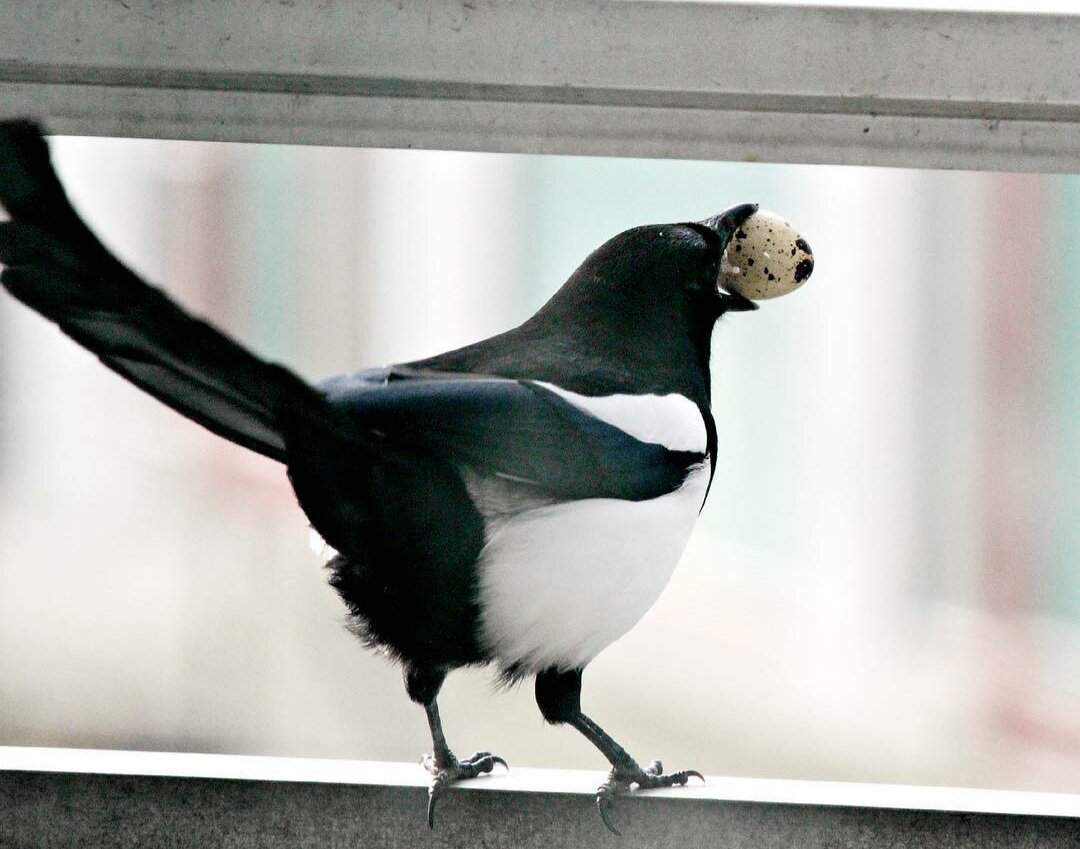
[(54, 264)]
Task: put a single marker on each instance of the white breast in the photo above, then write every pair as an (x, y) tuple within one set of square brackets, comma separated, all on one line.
[(560, 582)]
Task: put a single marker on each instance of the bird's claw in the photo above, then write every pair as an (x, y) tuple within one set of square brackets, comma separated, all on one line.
[(605, 803), (622, 780), (446, 774)]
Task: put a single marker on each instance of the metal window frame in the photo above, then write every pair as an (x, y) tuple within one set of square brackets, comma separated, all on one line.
[(855, 86)]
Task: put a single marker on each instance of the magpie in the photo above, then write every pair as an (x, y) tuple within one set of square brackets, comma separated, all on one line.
[(519, 502)]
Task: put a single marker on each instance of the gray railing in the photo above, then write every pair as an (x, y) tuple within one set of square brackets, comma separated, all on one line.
[(609, 77), (65, 797)]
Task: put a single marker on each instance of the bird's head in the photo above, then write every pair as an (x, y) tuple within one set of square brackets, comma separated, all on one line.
[(659, 278), (637, 315)]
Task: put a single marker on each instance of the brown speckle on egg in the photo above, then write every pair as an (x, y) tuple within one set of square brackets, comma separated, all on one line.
[(803, 269)]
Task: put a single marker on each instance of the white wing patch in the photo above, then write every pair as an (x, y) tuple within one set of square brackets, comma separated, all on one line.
[(673, 421)]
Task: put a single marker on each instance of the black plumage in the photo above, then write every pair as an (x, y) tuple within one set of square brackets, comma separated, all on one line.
[(410, 472)]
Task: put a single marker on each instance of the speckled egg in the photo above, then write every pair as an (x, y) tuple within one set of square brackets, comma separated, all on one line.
[(765, 258)]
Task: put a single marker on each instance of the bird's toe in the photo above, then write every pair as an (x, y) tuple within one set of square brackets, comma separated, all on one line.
[(624, 779), (444, 775)]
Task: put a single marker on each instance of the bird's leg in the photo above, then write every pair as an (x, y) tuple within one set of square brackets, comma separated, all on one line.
[(445, 768), (558, 693)]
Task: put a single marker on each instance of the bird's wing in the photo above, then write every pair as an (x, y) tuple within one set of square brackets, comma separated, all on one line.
[(515, 429)]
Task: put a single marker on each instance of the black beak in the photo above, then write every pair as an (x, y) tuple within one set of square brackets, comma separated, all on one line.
[(725, 225), (727, 222), (734, 302)]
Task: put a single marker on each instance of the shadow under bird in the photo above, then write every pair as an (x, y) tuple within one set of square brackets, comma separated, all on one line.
[(519, 502)]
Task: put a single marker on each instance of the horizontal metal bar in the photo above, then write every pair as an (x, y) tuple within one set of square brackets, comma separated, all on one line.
[(611, 77), (355, 86), (82, 797)]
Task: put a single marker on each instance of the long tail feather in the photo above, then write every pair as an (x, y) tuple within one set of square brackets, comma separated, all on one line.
[(55, 265)]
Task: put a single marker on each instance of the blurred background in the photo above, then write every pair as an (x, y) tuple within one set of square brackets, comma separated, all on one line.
[(884, 585)]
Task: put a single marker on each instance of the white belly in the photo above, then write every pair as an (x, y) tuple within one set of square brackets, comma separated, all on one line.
[(559, 583)]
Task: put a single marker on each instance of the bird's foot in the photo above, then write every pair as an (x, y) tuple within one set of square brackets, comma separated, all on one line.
[(622, 779), (446, 772)]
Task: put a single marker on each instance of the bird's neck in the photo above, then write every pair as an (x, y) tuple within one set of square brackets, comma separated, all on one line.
[(591, 358)]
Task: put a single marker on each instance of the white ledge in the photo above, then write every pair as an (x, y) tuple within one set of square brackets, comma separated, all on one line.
[(85, 797), (609, 77), (527, 780)]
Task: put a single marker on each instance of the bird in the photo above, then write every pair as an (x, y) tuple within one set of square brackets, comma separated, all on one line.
[(518, 503)]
